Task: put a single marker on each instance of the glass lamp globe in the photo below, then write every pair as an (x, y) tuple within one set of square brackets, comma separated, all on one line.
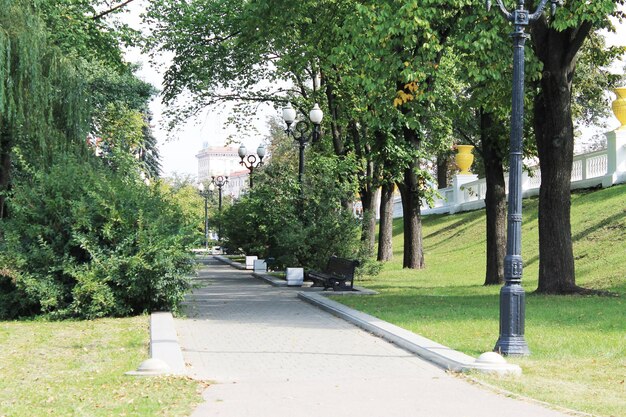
[(316, 114), (289, 114)]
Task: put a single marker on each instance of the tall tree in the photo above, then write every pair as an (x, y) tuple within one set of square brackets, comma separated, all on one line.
[(480, 117), (250, 44), (401, 57), (557, 43)]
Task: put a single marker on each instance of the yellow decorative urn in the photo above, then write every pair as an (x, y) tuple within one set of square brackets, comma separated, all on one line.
[(464, 158), (619, 107)]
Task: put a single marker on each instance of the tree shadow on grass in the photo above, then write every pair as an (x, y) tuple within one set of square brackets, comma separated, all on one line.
[(612, 222), (604, 223), (465, 220), (583, 313), (383, 285)]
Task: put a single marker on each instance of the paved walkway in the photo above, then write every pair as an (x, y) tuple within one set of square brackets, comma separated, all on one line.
[(272, 355)]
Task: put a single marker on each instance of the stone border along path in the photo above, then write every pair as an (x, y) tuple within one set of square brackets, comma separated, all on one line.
[(272, 355)]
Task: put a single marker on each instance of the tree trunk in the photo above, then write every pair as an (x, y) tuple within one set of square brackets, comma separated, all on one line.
[(385, 227), (554, 132), (413, 247), (335, 127), (369, 197), (368, 184), (495, 198), (442, 170)]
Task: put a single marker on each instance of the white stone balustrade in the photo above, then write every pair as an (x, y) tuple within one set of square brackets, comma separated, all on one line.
[(600, 168)]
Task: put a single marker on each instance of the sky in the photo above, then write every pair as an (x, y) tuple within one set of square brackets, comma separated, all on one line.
[(178, 150)]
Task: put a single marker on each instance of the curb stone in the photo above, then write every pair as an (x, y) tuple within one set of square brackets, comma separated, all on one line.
[(229, 262), (164, 342), (427, 349), (166, 357)]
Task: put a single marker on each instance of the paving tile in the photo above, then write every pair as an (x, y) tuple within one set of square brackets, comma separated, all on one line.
[(273, 355)]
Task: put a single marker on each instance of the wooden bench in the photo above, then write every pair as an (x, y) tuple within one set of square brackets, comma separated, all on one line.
[(338, 274)]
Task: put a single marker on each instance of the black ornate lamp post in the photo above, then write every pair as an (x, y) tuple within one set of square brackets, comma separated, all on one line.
[(205, 193), (512, 296), (220, 181), (302, 131), (251, 161)]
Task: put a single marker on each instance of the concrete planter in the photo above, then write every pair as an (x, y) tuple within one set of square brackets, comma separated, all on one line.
[(295, 277), (259, 265), (250, 261)]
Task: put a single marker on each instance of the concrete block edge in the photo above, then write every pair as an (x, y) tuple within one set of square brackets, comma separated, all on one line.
[(438, 354), (229, 262), (166, 357), (164, 341)]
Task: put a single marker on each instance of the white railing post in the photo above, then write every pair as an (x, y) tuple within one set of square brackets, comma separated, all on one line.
[(459, 194), (616, 158), (583, 167)]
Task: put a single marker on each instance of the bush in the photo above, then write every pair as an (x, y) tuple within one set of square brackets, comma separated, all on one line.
[(272, 220), (87, 241)]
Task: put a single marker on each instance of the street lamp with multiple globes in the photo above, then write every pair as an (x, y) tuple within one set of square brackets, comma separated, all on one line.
[(219, 181), (206, 194), (301, 131), (251, 161), (512, 296)]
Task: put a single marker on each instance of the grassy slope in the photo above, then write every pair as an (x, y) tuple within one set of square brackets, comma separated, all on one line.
[(76, 368), (578, 343)]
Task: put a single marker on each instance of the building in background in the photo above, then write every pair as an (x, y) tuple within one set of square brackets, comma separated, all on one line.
[(238, 182), (215, 160)]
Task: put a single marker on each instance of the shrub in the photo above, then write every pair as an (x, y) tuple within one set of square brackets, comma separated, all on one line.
[(273, 220), (87, 241)]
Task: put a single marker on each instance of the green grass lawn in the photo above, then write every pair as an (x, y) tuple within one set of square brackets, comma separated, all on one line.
[(76, 368), (578, 343), (237, 258)]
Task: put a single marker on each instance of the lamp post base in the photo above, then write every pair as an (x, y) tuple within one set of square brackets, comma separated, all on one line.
[(512, 346), (512, 313)]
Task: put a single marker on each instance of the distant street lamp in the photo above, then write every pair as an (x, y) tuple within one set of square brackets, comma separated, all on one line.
[(251, 161), (302, 131), (205, 193), (220, 181), (512, 296)]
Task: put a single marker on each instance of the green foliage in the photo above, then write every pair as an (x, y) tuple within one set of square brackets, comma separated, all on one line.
[(593, 79), (74, 28), (85, 241), (121, 87), (122, 127), (119, 114), (80, 236), (182, 192), (273, 220), (42, 101), (57, 80)]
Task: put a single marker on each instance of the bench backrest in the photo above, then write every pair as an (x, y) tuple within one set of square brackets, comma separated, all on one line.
[(342, 267)]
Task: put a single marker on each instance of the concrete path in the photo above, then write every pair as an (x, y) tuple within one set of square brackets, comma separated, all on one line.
[(272, 355)]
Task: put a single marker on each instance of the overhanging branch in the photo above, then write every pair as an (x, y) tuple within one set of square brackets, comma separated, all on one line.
[(111, 10)]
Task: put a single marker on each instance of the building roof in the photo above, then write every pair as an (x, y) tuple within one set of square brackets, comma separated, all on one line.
[(219, 150)]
